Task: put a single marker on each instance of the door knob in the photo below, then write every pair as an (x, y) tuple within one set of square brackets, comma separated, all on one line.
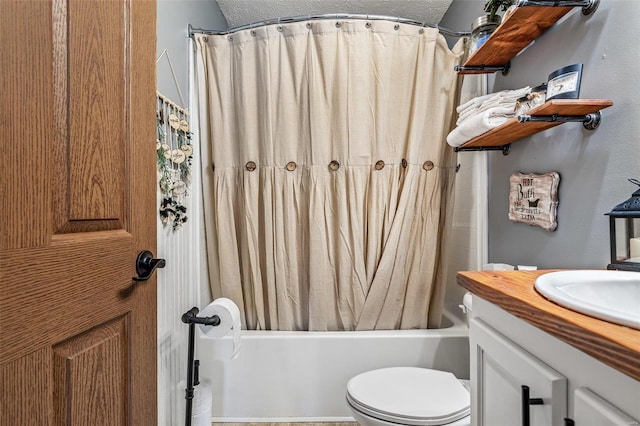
[(146, 265)]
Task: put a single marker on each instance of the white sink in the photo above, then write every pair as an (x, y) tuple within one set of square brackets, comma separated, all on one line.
[(612, 296)]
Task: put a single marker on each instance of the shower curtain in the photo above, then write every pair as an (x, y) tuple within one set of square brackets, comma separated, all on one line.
[(327, 180)]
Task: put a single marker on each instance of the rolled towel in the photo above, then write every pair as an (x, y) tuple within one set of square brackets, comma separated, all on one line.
[(479, 124)]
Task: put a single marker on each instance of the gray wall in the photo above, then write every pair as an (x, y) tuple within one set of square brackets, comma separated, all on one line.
[(174, 16), (593, 165)]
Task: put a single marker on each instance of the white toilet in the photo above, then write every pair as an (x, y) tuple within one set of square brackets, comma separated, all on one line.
[(410, 396)]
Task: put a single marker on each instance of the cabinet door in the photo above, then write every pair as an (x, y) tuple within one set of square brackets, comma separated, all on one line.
[(499, 370), (591, 410)]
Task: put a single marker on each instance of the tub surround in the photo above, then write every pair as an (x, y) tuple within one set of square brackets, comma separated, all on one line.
[(300, 376), (614, 345)]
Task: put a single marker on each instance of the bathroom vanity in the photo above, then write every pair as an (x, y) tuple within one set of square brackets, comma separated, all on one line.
[(536, 363)]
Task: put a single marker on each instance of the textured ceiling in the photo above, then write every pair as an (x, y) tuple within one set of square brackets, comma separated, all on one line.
[(242, 12)]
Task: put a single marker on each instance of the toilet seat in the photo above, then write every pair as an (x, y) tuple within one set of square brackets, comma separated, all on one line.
[(410, 396)]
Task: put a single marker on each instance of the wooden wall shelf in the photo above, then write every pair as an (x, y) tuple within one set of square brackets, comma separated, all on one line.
[(514, 130), (515, 33)]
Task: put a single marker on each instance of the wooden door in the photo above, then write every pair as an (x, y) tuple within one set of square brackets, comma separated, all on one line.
[(77, 184)]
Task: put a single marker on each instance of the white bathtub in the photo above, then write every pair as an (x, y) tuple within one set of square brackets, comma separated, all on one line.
[(282, 376)]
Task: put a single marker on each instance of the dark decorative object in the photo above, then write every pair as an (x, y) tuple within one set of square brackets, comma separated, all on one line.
[(624, 233), (564, 83)]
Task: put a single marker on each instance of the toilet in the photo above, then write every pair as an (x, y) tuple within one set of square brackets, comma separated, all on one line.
[(410, 396)]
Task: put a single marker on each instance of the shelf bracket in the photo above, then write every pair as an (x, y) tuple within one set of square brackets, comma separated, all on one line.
[(589, 121), (506, 149), (588, 6), (485, 68)]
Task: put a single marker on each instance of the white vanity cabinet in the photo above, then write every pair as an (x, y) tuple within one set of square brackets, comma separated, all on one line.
[(589, 409), (509, 385), (565, 386)]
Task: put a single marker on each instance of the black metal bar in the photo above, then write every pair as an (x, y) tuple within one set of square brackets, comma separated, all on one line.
[(212, 321), (526, 402), (523, 118), (526, 421), (555, 3), (504, 148), (193, 365), (189, 391), (482, 68), (589, 121), (191, 313), (612, 239), (569, 422)]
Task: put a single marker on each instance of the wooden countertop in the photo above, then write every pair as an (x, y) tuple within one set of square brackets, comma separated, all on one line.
[(615, 345)]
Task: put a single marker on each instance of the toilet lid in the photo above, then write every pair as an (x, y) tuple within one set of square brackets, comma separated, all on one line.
[(409, 395)]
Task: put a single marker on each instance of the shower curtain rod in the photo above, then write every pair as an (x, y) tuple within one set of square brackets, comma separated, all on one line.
[(444, 31)]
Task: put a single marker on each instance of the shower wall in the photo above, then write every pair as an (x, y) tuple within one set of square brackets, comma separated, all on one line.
[(179, 283)]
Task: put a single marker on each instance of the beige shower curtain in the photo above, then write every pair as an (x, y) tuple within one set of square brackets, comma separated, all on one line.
[(327, 178)]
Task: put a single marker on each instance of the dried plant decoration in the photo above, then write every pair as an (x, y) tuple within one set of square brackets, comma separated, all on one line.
[(174, 157)]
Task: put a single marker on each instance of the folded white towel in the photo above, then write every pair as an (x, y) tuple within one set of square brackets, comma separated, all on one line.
[(472, 103), (486, 105), (504, 98), (479, 124)]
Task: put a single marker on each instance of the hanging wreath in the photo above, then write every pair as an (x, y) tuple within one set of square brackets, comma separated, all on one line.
[(174, 157)]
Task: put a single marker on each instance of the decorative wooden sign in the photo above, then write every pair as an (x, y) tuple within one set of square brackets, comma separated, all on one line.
[(533, 199)]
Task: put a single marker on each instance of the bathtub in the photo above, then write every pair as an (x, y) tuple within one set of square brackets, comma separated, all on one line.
[(299, 376)]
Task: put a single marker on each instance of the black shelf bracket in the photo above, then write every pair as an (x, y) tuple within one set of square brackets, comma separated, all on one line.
[(506, 149), (485, 68), (589, 121)]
